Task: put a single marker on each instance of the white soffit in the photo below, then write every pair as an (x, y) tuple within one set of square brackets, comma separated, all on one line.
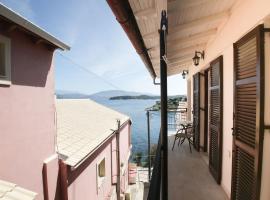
[(193, 24), (148, 14)]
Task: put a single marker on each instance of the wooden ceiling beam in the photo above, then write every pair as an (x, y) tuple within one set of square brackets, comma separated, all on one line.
[(199, 22), (178, 6), (192, 24), (194, 37), (183, 64), (198, 38), (145, 13), (183, 58), (181, 50), (175, 60), (150, 35)]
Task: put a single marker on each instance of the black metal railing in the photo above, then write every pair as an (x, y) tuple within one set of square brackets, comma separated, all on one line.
[(154, 189), (175, 116)]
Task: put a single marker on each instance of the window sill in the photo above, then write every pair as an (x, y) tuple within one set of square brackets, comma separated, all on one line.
[(5, 83)]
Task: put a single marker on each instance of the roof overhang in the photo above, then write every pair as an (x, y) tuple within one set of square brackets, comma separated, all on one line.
[(31, 28), (126, 18), (193, 25)]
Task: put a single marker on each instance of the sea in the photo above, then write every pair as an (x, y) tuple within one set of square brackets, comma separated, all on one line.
[(135, 109)]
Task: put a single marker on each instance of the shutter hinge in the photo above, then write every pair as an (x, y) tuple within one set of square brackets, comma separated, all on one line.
[(267, 127), (266, 29)]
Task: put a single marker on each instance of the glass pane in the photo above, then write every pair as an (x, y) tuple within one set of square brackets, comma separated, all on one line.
[(2, 60)]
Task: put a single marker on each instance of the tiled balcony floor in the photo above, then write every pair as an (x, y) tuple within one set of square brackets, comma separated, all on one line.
[(189, 176)]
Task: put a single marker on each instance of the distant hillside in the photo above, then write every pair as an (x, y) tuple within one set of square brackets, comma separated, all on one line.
[(62, 94), (113, 93), (142, 97)]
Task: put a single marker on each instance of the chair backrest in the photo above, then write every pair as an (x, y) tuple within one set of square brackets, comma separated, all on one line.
[(190, 129)]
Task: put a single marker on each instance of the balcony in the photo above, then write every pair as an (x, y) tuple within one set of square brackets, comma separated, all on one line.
[(189, 176), (188, 172)]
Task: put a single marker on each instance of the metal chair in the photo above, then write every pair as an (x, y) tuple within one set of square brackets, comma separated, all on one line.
[(189, 135), (179, 134), (185, 132)]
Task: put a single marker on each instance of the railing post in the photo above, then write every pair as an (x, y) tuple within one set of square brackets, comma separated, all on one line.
[(148, 133), (163, 103)]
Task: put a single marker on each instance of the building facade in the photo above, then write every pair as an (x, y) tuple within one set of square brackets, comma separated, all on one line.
[(223, 49), (27, 100)]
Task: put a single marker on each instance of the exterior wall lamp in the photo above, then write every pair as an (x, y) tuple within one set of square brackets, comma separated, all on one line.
[(197, 57), (184, 74)]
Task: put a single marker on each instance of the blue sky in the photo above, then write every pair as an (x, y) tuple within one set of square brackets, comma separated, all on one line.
[(97, 42)]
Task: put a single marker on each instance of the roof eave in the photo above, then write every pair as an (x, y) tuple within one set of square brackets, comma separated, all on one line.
[(29, 26), (126, 18)]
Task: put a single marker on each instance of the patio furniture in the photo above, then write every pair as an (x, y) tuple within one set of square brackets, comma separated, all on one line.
[(185, 132)]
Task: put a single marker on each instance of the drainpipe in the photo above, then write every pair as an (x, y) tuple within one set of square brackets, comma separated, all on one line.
[(118, 182), (163, 104), (126, 18)]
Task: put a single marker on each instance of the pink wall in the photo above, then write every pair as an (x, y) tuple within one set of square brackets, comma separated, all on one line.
[(246, 15), (27, 114), (124, 156), (85, 185)]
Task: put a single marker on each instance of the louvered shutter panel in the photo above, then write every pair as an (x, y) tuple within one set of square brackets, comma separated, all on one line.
[(216, 114), (196, 110), (248, 117)]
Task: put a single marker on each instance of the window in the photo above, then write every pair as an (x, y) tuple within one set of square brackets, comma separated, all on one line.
[(5, 70), (101, 168), (101, 172)]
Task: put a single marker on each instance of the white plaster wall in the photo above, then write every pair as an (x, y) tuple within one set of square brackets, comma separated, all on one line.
[(227, 118)]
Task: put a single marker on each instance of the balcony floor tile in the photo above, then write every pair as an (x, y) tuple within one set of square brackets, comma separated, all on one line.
[(189, 176)]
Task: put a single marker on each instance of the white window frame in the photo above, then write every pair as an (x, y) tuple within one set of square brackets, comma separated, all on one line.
[(101, 179), (6, 80)]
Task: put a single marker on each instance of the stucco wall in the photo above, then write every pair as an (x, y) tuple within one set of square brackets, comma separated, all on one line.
[(227, 118), (246, 15), (85, 185), (27, 114), (124, 156)]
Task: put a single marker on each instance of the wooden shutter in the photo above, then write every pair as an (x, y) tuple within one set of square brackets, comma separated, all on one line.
[(248, 115), (196, 110), (216, 118)]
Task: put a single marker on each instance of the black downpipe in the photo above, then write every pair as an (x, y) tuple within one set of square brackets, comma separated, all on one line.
[(163, 103)]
